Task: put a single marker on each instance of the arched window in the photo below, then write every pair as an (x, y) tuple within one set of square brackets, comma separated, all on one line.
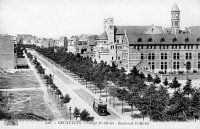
[(150, 40), (162, 40), (174, 39), (187, 39), (139, 40)]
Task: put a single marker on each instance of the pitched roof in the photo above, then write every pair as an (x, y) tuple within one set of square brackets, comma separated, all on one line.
[(103, 36), (134, 29), (194, 29), (168, 39), (92, 40), (175, 7)]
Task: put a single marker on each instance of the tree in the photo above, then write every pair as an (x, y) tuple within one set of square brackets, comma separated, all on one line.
[(175, 84), (149, 78), (121, 95), (76, 112), (142, 76), (188, 88), (134, 71), (66, 99), (58, 92), (85, 116), (166, 82), (195, 104), (156, 80)]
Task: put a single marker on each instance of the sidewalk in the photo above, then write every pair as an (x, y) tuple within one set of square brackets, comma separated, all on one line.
[(52, 106)]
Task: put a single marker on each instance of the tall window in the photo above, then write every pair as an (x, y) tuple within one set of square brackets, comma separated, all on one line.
[(162, 66), (153, 66), (198, 55), (165, 56), (153, 56), (176, 23), (176, 55), (149, 56), (176, 65), (142, 56), (165, 65), (188, 56), (161, 56), (198, 65)]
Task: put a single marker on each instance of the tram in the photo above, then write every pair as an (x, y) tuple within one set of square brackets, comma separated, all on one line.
[(100, 107)]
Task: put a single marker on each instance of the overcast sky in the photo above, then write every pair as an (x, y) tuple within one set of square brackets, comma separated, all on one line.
[(54, 18)]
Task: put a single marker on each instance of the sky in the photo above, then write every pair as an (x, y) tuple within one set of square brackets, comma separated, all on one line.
[(55, 18)]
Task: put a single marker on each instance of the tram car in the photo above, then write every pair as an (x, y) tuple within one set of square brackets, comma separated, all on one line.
[(100, 107)]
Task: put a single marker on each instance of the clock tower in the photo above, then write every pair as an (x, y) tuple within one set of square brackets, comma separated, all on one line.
[(175, 19)]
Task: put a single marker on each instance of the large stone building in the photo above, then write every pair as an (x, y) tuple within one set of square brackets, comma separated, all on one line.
[(6, 52), (151, 48)]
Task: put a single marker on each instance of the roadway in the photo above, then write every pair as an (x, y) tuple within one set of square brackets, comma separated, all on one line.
[(77, 89)]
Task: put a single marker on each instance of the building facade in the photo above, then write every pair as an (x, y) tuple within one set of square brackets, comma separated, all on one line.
[(6, 52), (151, 48)]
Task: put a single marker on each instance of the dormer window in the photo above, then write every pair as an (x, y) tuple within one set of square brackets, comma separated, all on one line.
[(174, 39), (162, 40), (187, 39), (150, 40), (198, 40), (139, 40)]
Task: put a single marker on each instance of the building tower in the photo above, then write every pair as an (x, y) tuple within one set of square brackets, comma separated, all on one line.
[(175, 19), (109, 28)]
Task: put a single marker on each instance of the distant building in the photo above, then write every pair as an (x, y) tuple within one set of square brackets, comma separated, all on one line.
[(63, 42), (6, 52), (72, 43)]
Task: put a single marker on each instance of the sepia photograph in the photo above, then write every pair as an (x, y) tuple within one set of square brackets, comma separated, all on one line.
[(100, 64)]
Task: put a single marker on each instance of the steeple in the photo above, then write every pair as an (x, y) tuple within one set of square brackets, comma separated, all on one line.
[(175, 19), (175, 7)]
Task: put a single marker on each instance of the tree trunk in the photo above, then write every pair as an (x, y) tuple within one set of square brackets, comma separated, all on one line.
[(106, 93), (122, 106), (100, 93), (113, 100), (95, 89), (110, 99), (86, 83), (132, 112)]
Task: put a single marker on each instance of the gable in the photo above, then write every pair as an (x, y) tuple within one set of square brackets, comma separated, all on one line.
[(153, 30)]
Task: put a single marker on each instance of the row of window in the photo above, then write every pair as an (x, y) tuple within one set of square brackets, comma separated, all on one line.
[(166, 47), (117, 47), (176, 65), (163, 39), (151, 56)]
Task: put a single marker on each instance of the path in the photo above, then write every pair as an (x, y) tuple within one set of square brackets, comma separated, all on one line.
[(52, 106)]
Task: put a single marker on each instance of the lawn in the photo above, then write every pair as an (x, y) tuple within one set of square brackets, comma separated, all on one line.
[(19, 79), (29, 105)]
